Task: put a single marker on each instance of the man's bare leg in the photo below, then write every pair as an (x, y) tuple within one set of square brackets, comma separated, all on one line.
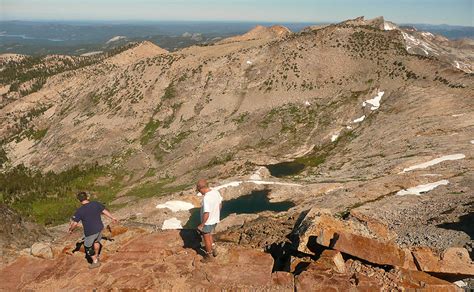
[(96, 252), (208, 242)]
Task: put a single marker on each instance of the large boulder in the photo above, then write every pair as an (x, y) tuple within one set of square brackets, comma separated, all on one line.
[(421, 281), (315, 279), (369, 249), (331, 260), (454, 260), (362, 238), (42, 250), (362, 277)]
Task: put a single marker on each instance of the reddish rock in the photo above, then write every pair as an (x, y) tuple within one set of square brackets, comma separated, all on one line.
[(315, 279), (331, 260), (283, 281), (229, 237), (409, 263), (298, 264), (115, 230), (422, 281), (353, 238), (157, 261), (382, 253), (454, 260)]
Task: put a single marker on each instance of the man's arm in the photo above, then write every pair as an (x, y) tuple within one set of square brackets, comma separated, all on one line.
[(72, 225), (205, 216), (107, 213)]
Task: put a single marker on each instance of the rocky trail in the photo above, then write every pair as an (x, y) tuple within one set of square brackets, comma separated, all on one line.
[(325, 253)]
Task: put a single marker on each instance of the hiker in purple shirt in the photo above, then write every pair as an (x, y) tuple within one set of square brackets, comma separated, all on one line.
[(90, 214)]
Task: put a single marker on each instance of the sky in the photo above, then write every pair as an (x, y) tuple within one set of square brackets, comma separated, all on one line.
[(453, 12)]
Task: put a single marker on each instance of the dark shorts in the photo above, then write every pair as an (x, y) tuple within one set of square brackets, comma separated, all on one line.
[(89, 240), (209, 228)]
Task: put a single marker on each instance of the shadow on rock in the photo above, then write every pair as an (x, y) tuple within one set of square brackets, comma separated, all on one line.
[(192, 239), (465, 225)]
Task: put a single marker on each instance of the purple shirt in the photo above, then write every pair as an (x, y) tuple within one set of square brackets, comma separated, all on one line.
[(89, 214)]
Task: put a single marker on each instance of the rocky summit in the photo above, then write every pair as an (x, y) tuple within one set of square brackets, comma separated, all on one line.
[(344, 154)]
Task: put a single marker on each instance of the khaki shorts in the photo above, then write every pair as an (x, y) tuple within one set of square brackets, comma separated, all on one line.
[(89, 240), (209, 228)]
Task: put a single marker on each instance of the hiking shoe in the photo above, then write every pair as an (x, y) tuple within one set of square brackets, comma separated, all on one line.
[(207, 259), (214, 251), (94, 265)]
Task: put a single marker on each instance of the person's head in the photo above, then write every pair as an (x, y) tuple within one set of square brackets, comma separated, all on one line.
[(82, 196), (202, 186)]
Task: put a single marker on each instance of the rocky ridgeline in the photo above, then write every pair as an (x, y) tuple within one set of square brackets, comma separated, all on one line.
[(325, 253), (378, 117)]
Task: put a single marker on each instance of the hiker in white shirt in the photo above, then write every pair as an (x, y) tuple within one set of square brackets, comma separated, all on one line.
[(210, 216)]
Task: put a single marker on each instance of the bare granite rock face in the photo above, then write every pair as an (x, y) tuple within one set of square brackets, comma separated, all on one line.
[(153, 261), (454, 260)]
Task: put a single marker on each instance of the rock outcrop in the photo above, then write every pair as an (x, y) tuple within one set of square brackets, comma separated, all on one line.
[(162, 260), (17, 233), (260, 32)]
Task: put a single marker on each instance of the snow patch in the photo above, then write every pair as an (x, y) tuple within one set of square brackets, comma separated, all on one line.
[(375, 102), (334, 137), (388, 26), (249, 62), (457, 64), (307, 103), (230, 184), (472, 141), (434, 162), (411, 41), (116, 38), (427, 34), (359, 119), (176, 206), (457, 115), (418, 190), (172, 223)]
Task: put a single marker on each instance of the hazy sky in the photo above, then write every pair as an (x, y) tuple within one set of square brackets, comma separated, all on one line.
[(458, 12)]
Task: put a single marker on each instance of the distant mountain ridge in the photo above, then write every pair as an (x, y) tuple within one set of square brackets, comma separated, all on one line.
[(93, 36)]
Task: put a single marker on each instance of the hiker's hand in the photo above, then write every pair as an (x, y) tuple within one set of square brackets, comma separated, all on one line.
[(114, 220), (200, 227)]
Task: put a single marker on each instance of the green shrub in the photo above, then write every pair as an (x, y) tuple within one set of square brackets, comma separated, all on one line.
[(49, 198)]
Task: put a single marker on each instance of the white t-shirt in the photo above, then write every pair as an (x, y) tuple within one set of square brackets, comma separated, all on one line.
[(211, 204)]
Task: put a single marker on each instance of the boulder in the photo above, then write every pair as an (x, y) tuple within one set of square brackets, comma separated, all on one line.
[(368, 249), (42, 250), (418, 280), (454, 260), (331, 260), (315, 279), (351, 237)]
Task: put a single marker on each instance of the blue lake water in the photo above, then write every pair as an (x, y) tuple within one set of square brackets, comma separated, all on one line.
[(255, 202)]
